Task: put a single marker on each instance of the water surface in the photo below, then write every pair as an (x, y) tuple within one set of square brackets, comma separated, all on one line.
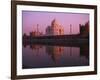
[(43, 56)]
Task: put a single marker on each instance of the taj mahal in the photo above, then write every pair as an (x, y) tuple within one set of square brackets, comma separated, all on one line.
[(55, 28)]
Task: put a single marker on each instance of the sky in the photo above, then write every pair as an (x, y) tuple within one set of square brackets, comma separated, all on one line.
[(30, 19)]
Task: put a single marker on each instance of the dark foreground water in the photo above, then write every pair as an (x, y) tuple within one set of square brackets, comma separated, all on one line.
[(43, 56)]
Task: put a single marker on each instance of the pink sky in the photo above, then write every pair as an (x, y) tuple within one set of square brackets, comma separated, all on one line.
[(30, 19)]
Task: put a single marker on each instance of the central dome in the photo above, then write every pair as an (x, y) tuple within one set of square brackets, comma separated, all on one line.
[(54, 22)]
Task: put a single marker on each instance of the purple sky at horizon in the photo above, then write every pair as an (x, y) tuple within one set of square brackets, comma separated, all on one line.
[(30, 19)]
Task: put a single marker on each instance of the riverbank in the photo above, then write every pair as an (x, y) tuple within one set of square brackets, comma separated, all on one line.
[(60, 42)]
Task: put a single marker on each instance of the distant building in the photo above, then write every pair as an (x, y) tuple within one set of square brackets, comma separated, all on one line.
[(24, 36), (36, 32), (55, 28), (84, 30)]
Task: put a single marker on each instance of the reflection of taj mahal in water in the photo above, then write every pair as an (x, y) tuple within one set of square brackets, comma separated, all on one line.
[(55, 52), (55, 28)]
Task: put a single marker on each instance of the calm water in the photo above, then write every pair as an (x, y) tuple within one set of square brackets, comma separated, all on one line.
[(43, 56)]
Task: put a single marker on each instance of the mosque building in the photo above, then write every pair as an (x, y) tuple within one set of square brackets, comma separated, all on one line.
[(36, 32), (55, 28)]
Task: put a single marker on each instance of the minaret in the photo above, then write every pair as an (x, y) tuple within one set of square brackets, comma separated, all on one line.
[(70, 29), (37, 29)]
